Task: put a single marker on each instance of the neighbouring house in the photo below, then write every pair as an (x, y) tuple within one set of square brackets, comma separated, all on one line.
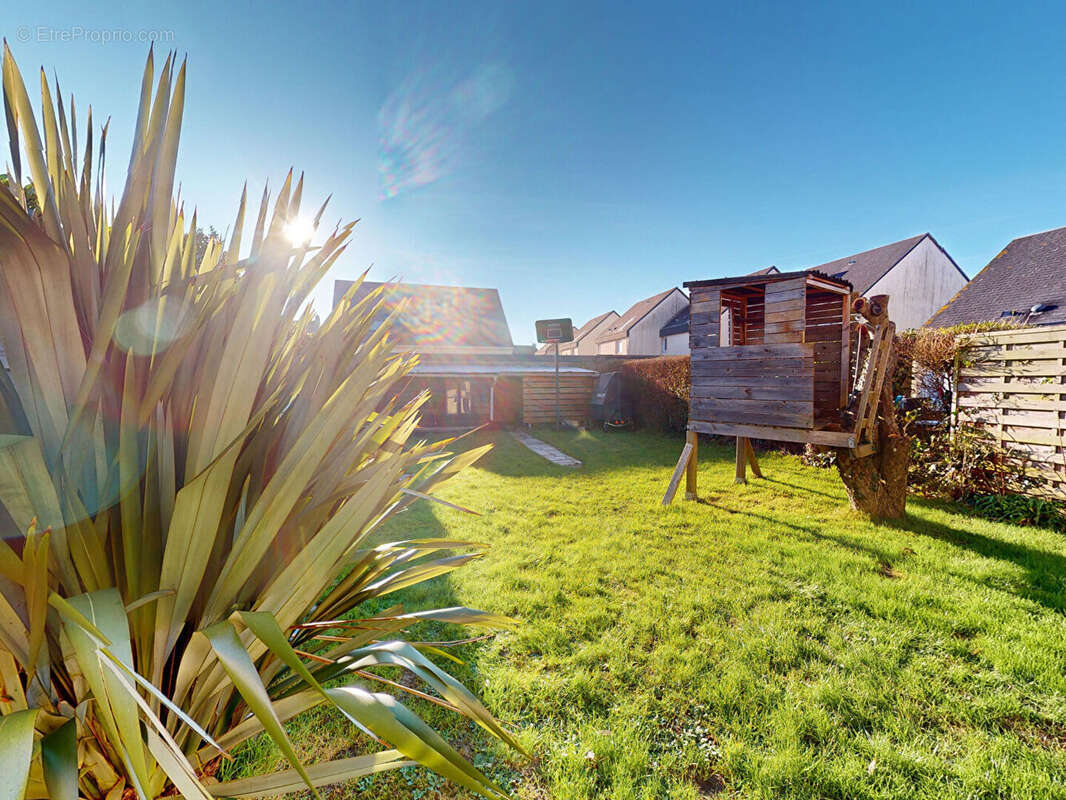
[(467, 361), (1025, 283), (584, 343), (673, 336), (636, 332), (917, 274)]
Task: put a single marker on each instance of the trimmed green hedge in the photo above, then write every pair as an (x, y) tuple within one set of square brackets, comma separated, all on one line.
[(658, 389)]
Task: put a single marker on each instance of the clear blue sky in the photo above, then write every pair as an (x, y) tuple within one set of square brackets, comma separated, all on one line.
[(580, 157)]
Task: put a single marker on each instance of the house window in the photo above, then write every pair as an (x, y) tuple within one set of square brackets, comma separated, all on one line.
[(665, 345), (620, 347)]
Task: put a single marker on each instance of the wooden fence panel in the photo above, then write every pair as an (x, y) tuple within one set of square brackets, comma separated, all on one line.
[(1013, 384), (538, 397)]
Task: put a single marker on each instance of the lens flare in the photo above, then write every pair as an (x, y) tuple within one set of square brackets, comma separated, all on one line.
[(151, 327), (425, 123)]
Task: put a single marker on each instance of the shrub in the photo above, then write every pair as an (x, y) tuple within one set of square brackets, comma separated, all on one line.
[(926, 361), (189, 466), (1020, 509), (957, 464), (658, 389)]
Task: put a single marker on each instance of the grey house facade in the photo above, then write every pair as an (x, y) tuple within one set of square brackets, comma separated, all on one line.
[(917, 274)]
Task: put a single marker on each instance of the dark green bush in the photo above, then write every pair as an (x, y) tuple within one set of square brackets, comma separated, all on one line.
[(1020, 509), (658, 389)]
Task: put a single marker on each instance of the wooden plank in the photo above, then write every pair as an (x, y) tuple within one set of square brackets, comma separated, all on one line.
[(798, 382), (1032, 421), (1030, 436), (782, 297), (991, 385), (755, 416), (1047, 402), (691, 470), (701, 342), (757, 352), (777, 317), (705, 318), (1053, 350), (744, 392), (679, 470), (782, 367), (1050, 333), (752, 461), (1033, 369), (741, 475), (795, 325), (771, 433), (741, 406), (775, 290), (777, 304)]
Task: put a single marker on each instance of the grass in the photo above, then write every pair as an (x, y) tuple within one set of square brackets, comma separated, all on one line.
[(764, 642)]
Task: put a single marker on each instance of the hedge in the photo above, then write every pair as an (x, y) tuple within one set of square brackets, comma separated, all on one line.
[(658, 390)]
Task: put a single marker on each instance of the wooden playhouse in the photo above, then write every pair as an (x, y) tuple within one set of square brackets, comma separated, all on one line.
[(774, 357)]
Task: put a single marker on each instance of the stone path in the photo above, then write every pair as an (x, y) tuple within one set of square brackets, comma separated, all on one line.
[(545, 450)]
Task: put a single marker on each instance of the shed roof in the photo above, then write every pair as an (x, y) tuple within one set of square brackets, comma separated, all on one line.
[(442, 316), (633, 315), (679, 322), (764, 278), (1028, 272), (488, 370)]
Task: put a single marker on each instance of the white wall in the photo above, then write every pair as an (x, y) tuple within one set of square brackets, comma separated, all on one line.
[(919, 285), (644, 339), (676, 344)]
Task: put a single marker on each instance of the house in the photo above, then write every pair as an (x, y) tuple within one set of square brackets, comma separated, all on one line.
[(673, 336), (917, 274), (636, 332), (584, 343), (474, 373), (1025, 283)]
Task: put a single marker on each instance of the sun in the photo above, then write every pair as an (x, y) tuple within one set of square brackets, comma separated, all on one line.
[(299, 230)]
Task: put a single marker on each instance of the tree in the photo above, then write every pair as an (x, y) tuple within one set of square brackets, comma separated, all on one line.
[(877, 482)]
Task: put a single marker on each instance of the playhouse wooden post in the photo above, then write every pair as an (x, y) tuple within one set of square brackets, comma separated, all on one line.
[(692, 438), (742, 460), (752, 461)]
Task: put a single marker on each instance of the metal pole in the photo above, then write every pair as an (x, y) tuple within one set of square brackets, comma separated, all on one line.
[(558, 419)]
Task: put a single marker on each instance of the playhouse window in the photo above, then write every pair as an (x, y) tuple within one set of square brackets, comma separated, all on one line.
[(742, 316)]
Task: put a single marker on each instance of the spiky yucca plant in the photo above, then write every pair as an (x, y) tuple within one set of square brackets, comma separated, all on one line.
[(189, 470)]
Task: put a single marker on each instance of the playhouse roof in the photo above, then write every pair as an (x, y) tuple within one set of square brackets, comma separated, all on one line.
[(767, 278)]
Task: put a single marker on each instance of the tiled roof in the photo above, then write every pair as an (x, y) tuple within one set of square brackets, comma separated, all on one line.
[(1030, 271), (863, 270), (590, 326), (445, 316), (678, 323)]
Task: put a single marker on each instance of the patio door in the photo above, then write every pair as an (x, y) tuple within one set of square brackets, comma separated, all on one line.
[(460, 403)]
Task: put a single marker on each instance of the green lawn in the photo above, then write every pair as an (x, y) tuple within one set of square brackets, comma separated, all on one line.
[(763, 642)]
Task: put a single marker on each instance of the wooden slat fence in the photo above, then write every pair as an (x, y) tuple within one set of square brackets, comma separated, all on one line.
[(538, 397), (1012, 384)]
